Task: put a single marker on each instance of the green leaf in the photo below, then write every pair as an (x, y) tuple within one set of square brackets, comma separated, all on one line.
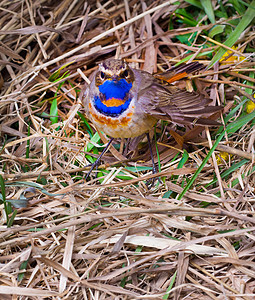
[(195, 3), (32, 184), (123, 281), (207, 5), (3, 197), (167, 194), (56, 75), (247, 18), (28, 142), (216, 30), (95, 139), (221, 12), (237, 4), (18, 203), (23, 266), (124, 177), (11, 220), (22, 201), (185, 157), (2, 185), (185, 59), (157, 151), (54, 111), (247, 90), (187, 38), (86, 123), (185, 20), (138, 169), (166, 296)]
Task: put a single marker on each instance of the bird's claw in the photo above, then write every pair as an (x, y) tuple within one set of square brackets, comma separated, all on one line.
[(93, 166)]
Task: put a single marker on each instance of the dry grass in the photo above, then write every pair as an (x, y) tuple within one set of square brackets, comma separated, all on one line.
[(112, 237)]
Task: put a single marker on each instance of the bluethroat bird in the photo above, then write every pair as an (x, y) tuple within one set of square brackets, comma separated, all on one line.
[(124, 102)]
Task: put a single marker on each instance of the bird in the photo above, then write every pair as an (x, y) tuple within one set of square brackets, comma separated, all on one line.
[(125, 102)]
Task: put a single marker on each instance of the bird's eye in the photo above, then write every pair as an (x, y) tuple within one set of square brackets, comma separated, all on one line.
[(125, 73), (102, 75)]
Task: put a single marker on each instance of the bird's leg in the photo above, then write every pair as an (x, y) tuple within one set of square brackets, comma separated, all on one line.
[(151, 181), (154, 168), (96, 163)]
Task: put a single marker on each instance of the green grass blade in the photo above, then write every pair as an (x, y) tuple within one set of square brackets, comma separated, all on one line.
[(237, 181), (230, 129), (234, 126), (188, 57), (28, 142), (233, 37), (234, 111), (193, 178), (232, 169), (207, 5), (6, 208)]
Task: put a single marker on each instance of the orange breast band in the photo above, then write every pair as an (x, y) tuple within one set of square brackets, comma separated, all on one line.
[(110, 121), (113, 102)]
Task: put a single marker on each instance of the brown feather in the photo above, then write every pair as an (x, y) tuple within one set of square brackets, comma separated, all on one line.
[(170, 103), (179, 72)]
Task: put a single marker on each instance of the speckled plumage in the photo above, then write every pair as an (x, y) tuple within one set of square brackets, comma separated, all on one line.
[(124, 102)]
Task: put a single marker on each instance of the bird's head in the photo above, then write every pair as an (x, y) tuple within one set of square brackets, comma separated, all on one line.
[(114, 80), (114, 70)]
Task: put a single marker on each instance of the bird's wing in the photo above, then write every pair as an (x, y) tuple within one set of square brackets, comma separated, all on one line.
[(172, 104), (179, 72)]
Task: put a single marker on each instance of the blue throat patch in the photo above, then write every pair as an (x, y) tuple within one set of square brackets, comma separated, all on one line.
[(111, 111), (116, 90)]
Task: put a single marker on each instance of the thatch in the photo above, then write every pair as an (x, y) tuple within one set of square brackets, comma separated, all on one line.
[(112, 237)]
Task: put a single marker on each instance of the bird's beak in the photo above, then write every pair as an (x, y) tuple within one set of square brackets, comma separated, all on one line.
[(114, 78)]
